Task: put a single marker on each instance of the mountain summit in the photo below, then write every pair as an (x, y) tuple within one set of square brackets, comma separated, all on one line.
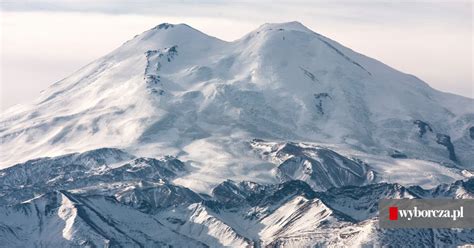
[(174, 90)]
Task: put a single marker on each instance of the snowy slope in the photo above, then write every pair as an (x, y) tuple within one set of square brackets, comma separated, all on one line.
[(282, 138), (325, 167), (173, 86)]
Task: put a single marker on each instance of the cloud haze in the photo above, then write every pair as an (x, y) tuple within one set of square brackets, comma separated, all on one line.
[(44, 41)]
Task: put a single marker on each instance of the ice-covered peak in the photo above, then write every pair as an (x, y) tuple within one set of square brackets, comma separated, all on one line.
[(164, 26), (278, 34), (166, 35), (294, 25), (168, 28)]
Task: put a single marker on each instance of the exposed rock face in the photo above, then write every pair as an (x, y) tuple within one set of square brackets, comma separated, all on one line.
[(445, 140), (164, 26), (461, 189), (441, 139), (320, 98), (27, 180), (423, 127), (471, 132), (361, 203), (237, 195), (309, 75), (319, 167), (155, 58), (397, 154)]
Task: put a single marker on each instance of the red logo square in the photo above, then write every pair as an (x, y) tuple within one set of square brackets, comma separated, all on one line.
[(393, 213)]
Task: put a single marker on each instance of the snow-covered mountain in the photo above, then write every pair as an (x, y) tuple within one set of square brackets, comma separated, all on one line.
[(107, 197), (133, 203), (173, 88), (281, 138)]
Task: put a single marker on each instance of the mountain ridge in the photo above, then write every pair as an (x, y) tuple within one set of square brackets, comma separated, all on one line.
[(236, 214)]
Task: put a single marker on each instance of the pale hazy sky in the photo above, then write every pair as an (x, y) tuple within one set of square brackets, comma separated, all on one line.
[(44, 41)]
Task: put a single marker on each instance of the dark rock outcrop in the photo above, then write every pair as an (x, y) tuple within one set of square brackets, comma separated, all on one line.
[(445, 140), (320, 97), (321, 168), (78, 170), (398, 154), (423, 127)]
